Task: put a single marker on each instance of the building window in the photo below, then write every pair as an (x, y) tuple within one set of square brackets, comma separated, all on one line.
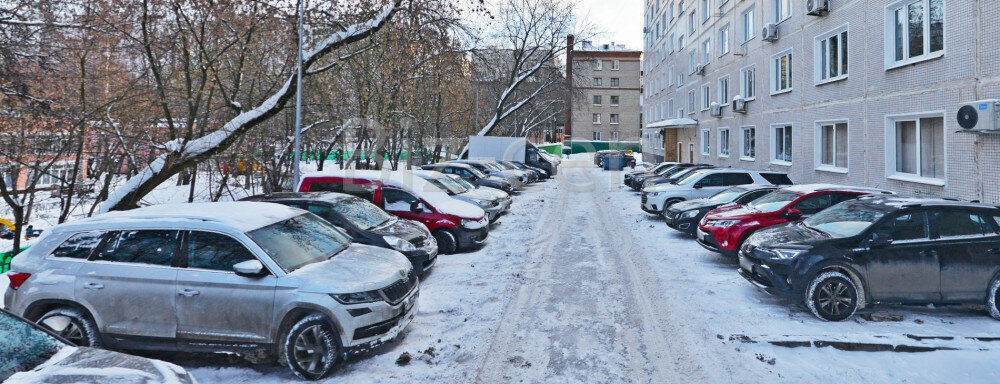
[(781, 72), (748, 143), (597, 135), (680, 113), (916, 149), (831, 56), (781, 144), (597, 101), (706, 97), (706, 47), (692, 61), (613, 119), (56, 174), (832, 146), (782, 10), (597, 118), (723, 142), (914, 31), (614, 82), (598, 64), (597, 82), (724, 90), (614, 101), (691, 102), (706, 142), (670, 105), (680, 79), (748, 82), (705, 9), (749, 24), (692, 24), (615, 65), (724, 40), (614, 135)]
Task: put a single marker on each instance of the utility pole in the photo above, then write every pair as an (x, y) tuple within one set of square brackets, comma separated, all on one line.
[(298, 104)]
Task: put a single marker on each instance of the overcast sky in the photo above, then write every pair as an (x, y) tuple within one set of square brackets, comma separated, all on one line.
[(619, 21)]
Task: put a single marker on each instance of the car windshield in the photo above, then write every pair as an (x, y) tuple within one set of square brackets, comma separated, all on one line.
[(362, 214), (774, 201), (493, 166), (462, 182), (846, 219), (475, 172), (23, 347), (448, 185), (669, 170), (728, 195), (688, 177), (300, 241), (662, 167)]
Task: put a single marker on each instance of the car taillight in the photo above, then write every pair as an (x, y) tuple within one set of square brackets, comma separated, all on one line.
[(16, 279)]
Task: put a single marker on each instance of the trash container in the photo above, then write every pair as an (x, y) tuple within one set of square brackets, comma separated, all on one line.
[(614, 162)]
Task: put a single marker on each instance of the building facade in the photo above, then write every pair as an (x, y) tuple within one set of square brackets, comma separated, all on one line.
[(863, 93), (605, 98)]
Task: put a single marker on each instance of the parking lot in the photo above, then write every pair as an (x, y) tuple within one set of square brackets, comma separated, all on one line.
[(578, 285)]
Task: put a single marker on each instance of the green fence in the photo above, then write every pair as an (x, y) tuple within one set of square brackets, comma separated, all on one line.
[(555, 149), (594, 146)]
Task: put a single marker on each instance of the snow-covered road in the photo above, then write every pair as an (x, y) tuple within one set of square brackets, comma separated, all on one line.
[(578, 285)]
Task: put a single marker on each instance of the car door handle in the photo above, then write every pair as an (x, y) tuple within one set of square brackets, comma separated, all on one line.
[(93, 286), (929, 253), (188, 293)]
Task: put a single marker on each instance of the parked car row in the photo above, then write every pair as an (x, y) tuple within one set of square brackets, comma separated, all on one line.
[(301, 278), (836, 249)]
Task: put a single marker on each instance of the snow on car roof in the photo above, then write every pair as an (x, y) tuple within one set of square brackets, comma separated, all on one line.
[(243, 216), (811, 188), (409, 181)]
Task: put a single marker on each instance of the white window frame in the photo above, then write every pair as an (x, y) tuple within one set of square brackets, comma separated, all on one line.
[(598, 82), (724, 141), (617, 82), (890, 35), (705, 142), (598, 100), (613, 119), (706, 10), (706, 47), (744, 87), (743, 145), (724, 32), (781, 10), (692, 61), (818, 146), (821, 55), (774, 76), (680, 113), (611, 100), (692, 23), (598, 65), (597, 119), (748, 32), (615, 65), (771, 143), (706, 96), (692, 101), (723, 99), (890, 148), (597, 136)]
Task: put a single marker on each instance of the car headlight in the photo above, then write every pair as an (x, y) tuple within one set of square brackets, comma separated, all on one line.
[(474, 224), (721, 223), (484, 203), (784, 253), (399, 244), (357, 298), (689, 214)]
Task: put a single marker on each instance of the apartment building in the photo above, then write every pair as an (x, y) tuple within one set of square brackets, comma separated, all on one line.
[(605, 99), (852, 92)]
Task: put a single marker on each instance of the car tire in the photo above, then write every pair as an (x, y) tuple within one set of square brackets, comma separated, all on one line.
[(73, 325), (447, 243), (832, 296), (667, 204), (312, 348), (992, 299)]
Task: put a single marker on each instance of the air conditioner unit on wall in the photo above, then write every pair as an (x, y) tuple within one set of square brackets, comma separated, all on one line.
[(980, 116), (770, 32), (739, 104), (700, 69), (817, 7), (716, 110)]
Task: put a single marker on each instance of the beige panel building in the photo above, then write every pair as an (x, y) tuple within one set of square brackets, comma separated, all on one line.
[(606, 90)]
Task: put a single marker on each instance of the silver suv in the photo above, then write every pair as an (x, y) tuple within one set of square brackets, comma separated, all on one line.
[(261, 279)]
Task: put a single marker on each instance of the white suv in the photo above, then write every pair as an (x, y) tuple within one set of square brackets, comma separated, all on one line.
[(704, 183)]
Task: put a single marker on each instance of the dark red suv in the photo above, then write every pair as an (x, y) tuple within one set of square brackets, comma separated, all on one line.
[(723, 230)]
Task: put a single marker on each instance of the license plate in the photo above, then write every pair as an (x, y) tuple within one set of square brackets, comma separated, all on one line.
[(746, 264), (702, 235)]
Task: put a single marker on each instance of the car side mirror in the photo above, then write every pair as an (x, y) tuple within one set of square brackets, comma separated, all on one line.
[(698, 186), (793, 214), (250, 268), (880, 239), (416, 207)]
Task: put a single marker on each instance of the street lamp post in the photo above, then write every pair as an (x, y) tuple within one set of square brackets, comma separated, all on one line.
[(298, 103)]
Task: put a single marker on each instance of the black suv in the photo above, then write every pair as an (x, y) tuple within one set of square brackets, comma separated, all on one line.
[(684, 216), (881, 249), (632, 176), (668, 175), (365, 222)]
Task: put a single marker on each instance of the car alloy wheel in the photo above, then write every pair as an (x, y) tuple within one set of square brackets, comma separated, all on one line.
[(993, 299), (310, 353), (447, 243), (312, 348), (71, 325), (832, 296)]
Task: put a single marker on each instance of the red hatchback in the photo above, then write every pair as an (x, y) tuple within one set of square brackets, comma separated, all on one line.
[(724, 229)]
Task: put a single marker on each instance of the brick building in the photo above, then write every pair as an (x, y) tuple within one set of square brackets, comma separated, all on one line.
[(865, 93), (605, 98)]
